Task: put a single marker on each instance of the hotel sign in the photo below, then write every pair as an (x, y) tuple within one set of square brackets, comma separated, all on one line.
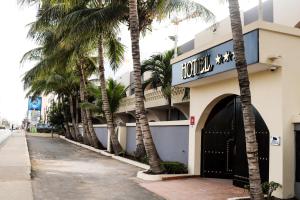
[(214, 60)]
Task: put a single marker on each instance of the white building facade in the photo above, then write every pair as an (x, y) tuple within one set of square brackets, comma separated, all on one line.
[(216, 138)]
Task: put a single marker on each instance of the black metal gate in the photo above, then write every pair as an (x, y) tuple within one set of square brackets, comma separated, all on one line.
[(223, 152)]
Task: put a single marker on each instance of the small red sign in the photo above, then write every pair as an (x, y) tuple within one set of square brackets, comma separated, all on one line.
[(192, 120)]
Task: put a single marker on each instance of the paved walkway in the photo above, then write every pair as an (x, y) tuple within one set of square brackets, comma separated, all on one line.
[(195, 189), (63, 171), (15, 181)]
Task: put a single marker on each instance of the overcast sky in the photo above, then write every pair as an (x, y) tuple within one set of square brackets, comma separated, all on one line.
[(13, 44)]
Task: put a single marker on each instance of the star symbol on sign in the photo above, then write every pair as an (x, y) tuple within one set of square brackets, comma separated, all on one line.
[(227, 56), (219, 59)]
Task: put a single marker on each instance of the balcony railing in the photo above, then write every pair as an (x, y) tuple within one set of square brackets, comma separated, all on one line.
[(153, 98)]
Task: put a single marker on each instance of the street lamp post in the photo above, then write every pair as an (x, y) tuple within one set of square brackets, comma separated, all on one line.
[(260, 10), (175, 39)]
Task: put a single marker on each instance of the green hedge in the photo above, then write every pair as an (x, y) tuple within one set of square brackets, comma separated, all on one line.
[(174, 167)]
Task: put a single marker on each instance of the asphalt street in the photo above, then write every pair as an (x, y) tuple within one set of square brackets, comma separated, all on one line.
[(62, 171)]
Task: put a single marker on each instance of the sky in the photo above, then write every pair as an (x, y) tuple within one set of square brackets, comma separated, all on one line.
[(14, 43)]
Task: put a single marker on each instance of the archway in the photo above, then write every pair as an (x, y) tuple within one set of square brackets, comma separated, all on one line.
[(223, 147)]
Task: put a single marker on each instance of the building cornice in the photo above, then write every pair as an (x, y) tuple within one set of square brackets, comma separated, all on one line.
[(266, 26)]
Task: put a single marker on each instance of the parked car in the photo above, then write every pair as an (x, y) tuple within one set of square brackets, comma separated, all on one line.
[(43, 128)]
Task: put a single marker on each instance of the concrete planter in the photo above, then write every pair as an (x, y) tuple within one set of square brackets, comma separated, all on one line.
[(160, 177)]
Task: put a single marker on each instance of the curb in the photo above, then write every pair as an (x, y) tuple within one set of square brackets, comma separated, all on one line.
[(241, 198), (140, 174), (28, 161), (104, 153), (131, 162)]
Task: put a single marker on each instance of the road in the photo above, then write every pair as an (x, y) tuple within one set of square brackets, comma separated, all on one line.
[(4, 134), (62, 171)]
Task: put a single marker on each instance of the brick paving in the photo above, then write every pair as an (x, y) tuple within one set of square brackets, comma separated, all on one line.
[(195, 189)]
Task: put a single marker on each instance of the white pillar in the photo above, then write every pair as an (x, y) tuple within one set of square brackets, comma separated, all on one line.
[(122, 136)]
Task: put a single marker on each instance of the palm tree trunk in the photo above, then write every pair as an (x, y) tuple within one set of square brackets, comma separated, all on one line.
[(169, 108), (68, 133), (140, 151), (96, 143), (63, 112), (248, 115), (106, 107), (75, 125), (154, 160), (94, 140), (76, 109), (83, 136), (86, 134), (66, 123)]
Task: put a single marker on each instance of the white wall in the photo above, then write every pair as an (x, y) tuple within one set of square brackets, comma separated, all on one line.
[(207, 36), (286, 12), (275, 94), (125, 80)]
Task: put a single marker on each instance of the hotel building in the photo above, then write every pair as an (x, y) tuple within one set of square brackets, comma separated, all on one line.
[(216, 141)]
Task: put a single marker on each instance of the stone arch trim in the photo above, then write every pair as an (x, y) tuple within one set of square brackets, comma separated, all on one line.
[(204, 115), (153, 116), (131, 114), (123, 117), (200, 124), (203, 118), (184, 109)]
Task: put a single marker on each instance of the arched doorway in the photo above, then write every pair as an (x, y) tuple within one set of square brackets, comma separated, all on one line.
[(223, 143)]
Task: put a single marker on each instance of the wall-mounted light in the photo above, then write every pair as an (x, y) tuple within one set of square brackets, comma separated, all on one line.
[(271, 60)]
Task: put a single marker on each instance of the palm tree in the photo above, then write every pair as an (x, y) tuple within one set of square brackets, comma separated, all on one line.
[(248, 115), (94, 16), (148, 12), (53, 54), (85, 28), (61, 82), (105, 101), (115, 92), (99, 17), (85, 66), (161, 75), (66, 82), (151, 151)]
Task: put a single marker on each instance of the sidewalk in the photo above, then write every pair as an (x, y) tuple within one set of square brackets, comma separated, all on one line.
[(195, 189), (15, 168)]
